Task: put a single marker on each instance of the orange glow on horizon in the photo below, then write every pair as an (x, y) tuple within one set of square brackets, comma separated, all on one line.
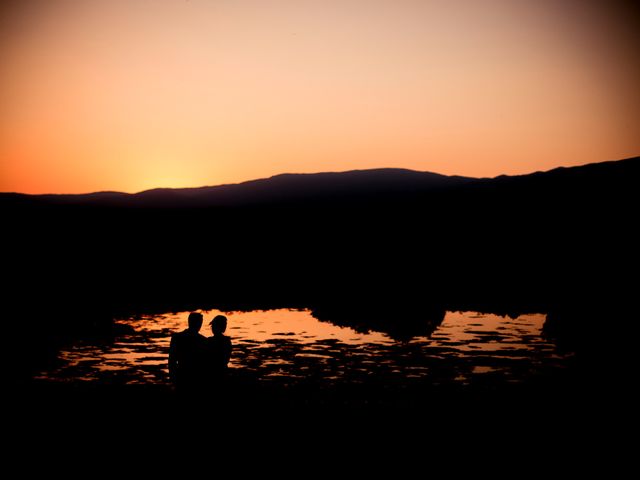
[(130, 95)]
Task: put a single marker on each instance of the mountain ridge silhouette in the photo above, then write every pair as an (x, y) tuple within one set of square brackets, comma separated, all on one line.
[(321, 186)]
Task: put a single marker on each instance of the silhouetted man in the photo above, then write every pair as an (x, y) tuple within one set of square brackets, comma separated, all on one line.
[(218, 349), (187, 356)]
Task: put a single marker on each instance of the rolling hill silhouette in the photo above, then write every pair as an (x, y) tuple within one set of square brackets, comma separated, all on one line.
[(385, 183), (277, 189)]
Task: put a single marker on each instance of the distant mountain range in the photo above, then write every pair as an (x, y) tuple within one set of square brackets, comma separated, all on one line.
[(332, 187), (279, 188)]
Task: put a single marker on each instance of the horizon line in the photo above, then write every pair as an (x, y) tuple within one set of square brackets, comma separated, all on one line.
[(319, 173)]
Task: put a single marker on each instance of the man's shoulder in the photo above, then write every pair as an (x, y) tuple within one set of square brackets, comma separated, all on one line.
[(184, 334)]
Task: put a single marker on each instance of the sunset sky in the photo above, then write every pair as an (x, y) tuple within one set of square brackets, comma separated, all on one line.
[(133, 94)]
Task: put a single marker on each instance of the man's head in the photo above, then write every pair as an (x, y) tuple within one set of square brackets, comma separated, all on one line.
[(218, 324), (195, 321)]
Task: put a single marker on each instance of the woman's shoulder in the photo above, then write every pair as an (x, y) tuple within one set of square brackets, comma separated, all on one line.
[(219, 339)]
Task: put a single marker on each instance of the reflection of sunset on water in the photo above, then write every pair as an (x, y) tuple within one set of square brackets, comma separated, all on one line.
[(289, 345)]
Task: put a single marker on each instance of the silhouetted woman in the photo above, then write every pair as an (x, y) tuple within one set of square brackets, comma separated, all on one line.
[(218, 350)]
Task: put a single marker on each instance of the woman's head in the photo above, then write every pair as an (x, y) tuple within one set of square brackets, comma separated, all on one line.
[(218, 324)]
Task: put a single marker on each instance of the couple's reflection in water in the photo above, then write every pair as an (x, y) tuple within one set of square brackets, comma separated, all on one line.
[(198, 363)]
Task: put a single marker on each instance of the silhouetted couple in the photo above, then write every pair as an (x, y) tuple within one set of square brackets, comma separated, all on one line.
[(198, 363)]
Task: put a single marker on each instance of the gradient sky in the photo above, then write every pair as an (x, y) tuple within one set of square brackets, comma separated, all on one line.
[(134, 94)]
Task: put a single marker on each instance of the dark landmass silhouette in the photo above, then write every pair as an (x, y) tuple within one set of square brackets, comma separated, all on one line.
[(280, 189), (351, 187), (354, 247)]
